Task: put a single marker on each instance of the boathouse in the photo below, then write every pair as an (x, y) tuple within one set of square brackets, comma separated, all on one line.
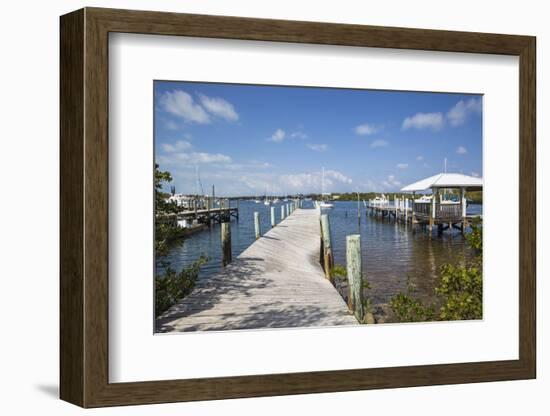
[(446, 206)]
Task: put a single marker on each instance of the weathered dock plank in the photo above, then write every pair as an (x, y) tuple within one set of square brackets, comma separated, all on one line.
[(277, 282)]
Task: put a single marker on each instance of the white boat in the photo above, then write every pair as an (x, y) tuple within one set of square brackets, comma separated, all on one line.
[(322, 203), (266, 199), (424, 199)]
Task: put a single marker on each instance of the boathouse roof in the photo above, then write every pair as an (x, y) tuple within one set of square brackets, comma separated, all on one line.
[(446, 180)]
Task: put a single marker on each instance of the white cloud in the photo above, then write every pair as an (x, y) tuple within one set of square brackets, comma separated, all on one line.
[(310, 182), (201, 157), (391, 183), (366, 129), (249, 165), (379, 143), (402, 165), (278, 136), (244, 179), (461, 150), (433, 121), (219, 107), (419, 158), (176, 147), (476, 174), (317, 147), (181, 104), (337, 176), (194, 158), (368, 186), (301, 182), (171, 125), (298, 135), (460, 112)]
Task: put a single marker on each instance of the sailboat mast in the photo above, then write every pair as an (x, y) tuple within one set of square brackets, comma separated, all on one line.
[(323, 183)]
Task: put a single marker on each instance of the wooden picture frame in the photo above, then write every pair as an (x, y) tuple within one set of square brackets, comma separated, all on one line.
[(84, 207)]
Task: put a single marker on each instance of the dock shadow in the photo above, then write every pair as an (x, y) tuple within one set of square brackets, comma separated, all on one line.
[(240, 277)]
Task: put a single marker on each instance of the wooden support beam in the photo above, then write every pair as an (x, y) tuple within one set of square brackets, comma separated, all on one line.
[(226, 243), (355, 276), (257, 225), (328, 259)]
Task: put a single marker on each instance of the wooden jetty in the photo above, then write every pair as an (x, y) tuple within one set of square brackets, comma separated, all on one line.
[(277, 282), (202, 216), (216, 215), (433, 211)]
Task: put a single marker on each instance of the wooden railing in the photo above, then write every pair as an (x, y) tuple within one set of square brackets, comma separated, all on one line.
[(442, 211), (423, 208), (448, 211)]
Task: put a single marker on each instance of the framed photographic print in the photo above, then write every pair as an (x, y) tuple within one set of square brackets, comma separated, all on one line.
[(255, 207)]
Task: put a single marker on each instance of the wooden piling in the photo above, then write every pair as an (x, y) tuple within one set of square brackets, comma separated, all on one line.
[(463, 209), (358, 208), (226, 243), (272, 217), (328, 259), (282, 212), (257, 224), (355, 276)]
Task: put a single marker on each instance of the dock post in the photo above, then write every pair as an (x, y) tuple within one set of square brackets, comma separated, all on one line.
[(463, 209), (226, 243), (355, 276), (413, 215), (358, 209), (257, 224), (272, 217), (287, 209), (208, 214), (432, 216), (282, 212), (328, 259)]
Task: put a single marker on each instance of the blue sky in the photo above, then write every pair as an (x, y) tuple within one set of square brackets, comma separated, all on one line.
[(244, 138)]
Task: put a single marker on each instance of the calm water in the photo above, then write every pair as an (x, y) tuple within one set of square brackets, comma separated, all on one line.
[(390, 252)]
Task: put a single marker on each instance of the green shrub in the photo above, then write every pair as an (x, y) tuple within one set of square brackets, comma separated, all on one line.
[(339, 272), (171, 287), (166, 236), (460, 290)]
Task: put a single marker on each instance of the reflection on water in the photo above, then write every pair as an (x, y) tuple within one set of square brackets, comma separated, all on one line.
[(391, 253)]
